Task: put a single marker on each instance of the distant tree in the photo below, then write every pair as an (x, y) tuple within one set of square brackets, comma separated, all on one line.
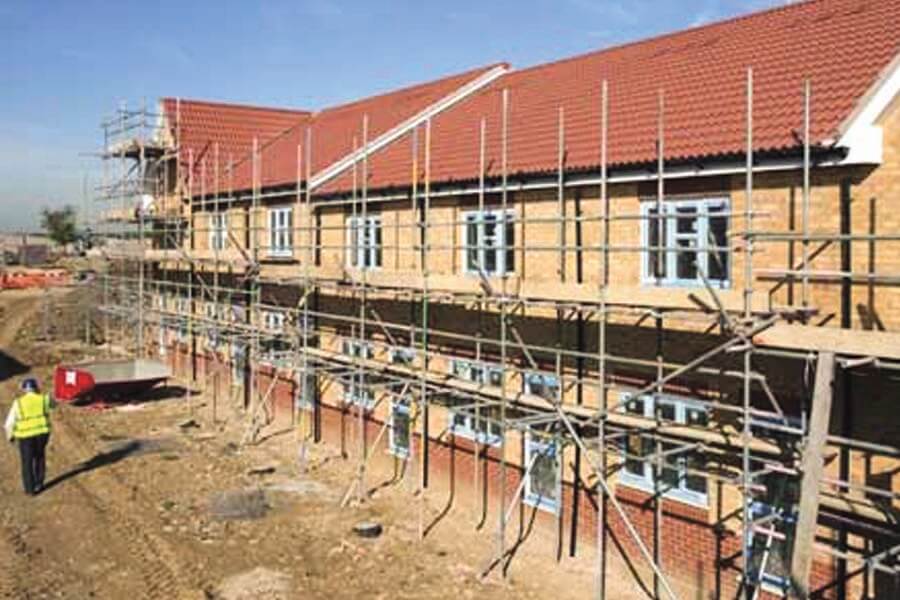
[(60, 224)]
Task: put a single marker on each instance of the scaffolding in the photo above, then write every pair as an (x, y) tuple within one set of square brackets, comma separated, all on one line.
[(158, 281)]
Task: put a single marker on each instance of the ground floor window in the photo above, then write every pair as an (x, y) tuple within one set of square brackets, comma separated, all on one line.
[(308, 394), (543, 482), (771, 549), (678, 476), (481, 424), (238, 363), (399, 439), (477, 372), (544, 385)]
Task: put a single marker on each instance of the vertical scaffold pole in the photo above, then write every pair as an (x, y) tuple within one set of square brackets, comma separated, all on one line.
[(807, 99), (747, 530), (604, 282), (423, 387), (504, 202)]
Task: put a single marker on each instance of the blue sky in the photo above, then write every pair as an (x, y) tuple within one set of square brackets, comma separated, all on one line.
[(66, 64)]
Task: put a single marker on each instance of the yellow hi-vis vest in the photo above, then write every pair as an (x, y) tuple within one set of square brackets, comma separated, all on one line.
[(33, 418)]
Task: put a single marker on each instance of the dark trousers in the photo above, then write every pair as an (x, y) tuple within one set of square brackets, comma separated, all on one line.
[(32, 451)]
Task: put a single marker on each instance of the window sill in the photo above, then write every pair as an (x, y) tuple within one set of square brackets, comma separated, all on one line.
[(647, 488), (683, 284), (542, 504)]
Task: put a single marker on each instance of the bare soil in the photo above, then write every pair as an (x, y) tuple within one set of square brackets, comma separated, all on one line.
[(140, 506)]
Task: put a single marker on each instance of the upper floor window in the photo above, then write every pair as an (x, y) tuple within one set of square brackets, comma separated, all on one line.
[(686, 238), (364, 242), (679, 477), (281, 231), (218, 231), (488, 242)]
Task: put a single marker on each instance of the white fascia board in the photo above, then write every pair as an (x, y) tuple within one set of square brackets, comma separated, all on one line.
[(335, 169), (636, 176), (860, 134)]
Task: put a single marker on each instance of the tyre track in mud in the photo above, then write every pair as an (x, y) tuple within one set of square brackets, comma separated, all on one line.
[(163, 573), (18, 577), (114, 506)]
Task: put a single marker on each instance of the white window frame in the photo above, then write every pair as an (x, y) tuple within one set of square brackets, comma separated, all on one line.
[(499, 244), (281, 231), (670, 237), (305, 400), (183, 308), (238, 362), (402, 355), (468, 427), (273, 320), (466, 370), (353, 393), (365, 253), (401, 406), (549, 380), (645, 481), (774, 584), (534, 443), (218, 231)]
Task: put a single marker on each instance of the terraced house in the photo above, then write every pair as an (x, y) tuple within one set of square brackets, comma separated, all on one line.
[(636, 308)]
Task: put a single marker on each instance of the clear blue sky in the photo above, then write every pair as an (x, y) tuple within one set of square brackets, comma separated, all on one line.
[(66, 64)]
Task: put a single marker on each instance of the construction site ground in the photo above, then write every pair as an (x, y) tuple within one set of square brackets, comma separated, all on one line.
[(149, 501)]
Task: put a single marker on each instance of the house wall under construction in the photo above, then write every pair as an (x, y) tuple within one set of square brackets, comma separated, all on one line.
[(682, 361)]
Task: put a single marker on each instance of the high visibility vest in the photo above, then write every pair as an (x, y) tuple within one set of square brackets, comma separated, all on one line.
[(33, 418)]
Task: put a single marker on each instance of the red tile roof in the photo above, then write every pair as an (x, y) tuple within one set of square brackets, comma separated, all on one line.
[(202, 126), (842, 46), (333, 130)]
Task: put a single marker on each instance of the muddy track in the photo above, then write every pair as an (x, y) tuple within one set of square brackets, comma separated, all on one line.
[(163, 573), (114, 505), (18, 577)]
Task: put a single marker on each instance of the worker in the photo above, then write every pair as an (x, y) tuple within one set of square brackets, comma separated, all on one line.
[(28, 422)]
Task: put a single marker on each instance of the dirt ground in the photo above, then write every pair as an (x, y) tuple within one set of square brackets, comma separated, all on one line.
[(139, 506)]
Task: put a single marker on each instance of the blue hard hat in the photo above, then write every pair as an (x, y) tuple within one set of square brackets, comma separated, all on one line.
[(30, 384)]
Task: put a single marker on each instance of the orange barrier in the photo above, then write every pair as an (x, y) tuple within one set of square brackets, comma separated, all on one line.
[(21, 279)]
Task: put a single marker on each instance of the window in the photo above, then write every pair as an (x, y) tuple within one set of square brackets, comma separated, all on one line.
[(356, 348), (364, 242), (281, 231), (541, 384), (770, 559), (690, 236), (483, 427), (477, 372), (355, 392), (775, 500), (400, 429), (238, 363), (675, 481), (273, 321), (403, 356), (218, 231), (183, 308), (542, 484), (488, 240), (274, 347), (308, 393)]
